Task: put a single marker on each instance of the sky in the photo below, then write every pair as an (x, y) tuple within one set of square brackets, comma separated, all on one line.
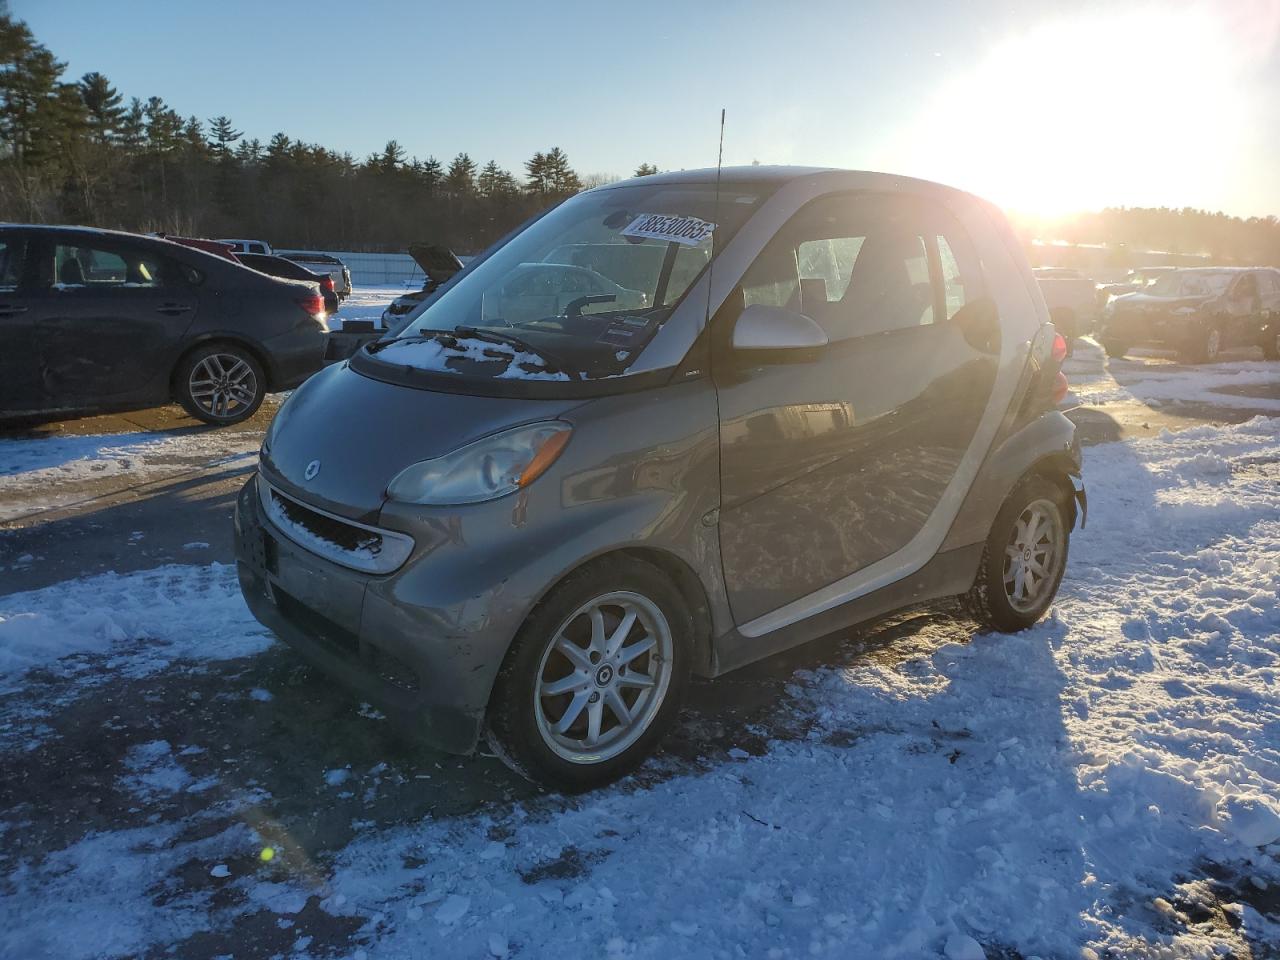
[(1043, 107)]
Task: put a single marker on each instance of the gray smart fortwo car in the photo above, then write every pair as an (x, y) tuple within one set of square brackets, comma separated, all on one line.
[(530, 514)]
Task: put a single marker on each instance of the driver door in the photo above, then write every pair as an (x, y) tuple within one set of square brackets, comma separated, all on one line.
[(834, 458)]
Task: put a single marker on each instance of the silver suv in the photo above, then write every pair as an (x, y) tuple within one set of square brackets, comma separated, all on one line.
[(760, 408)]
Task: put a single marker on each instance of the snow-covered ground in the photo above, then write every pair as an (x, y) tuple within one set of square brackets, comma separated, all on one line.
[(1106, 784), (41, 474), (367, 303)]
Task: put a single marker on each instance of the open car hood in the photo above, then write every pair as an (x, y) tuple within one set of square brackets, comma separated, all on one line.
[(437, 262)]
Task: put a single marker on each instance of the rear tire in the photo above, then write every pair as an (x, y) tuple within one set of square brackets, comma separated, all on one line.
[(1114, 348), (1024, 558), (220, 383), (614, 638)]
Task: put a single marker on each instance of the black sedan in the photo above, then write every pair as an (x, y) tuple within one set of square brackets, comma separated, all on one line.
[(99, 320), (274, 266)]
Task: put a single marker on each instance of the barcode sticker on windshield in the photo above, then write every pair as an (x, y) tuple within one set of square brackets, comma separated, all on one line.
[(689, 231)]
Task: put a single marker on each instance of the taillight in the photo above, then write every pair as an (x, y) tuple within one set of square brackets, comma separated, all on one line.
[(1059, 352), (313, 304), (326, 283)]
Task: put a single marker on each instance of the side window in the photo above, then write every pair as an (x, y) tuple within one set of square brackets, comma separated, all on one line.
[(865, 264), (961, 276), (81, 267), (11, 262)]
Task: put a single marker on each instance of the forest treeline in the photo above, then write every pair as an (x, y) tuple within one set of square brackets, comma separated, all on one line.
[(79, 151)]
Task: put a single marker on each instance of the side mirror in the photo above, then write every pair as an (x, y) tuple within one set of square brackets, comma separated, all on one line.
[(762, 327)]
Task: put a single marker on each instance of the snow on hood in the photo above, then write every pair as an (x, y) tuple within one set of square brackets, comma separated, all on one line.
[(435, 355)]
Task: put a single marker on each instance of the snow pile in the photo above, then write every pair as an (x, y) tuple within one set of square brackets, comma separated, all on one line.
[(179, 611)]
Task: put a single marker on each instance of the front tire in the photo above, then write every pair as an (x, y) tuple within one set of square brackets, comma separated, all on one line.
[(221, 384), (1024, 558), (1204, 346), (1271, 346), (594, 678)]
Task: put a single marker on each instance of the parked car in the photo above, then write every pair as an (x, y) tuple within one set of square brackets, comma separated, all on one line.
[(534, 531), (438, 265), (1198, 311), (274, 266), (216, 247), (1070, 296), (324, 263), (249, 246), (99, 320), (1133, 282)]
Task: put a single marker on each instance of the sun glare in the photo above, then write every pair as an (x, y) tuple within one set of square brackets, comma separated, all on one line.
[(1103, 109)]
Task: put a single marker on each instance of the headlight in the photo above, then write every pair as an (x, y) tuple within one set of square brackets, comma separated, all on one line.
[(488, 468)]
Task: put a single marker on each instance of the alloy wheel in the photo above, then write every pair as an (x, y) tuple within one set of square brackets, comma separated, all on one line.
[(603, 677), (1033, 555), (223, 385)]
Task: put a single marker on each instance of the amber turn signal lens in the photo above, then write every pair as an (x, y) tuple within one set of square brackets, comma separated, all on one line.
[(1060, 388), (545, 457)]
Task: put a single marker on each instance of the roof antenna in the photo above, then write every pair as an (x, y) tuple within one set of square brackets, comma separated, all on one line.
[(712, 265)]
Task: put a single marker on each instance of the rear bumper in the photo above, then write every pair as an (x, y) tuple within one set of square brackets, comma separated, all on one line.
[(296, 355), (395, 654)]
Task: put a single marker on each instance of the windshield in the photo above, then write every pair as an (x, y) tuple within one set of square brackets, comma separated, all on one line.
[(1189, 284), (580, 292)]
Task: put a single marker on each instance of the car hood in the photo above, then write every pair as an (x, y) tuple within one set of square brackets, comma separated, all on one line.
[(437, 262), (359, 433), (1145, 301)]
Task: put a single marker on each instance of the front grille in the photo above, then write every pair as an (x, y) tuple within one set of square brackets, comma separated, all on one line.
[(327, 527), (342, 541)]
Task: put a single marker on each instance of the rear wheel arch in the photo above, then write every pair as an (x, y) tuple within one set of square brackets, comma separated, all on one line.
[(1056, 468)]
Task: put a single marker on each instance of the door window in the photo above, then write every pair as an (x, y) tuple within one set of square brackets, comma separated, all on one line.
[(867, 264), (80, 267), (11, 262)]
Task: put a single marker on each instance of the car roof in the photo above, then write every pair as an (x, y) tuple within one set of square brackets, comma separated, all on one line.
[(170, 247), (775, 176)]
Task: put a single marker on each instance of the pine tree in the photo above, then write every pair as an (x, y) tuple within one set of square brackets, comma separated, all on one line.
[(536, 170), (102, 101), (431, 175), (460, 181), (560, 176), (221, 136), (495, 183), (645, 170)]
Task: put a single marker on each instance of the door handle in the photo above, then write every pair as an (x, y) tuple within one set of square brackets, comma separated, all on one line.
[(7, 310), (172, 309)]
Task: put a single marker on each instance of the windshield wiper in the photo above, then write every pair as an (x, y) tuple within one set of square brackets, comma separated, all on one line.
[(511, 340)]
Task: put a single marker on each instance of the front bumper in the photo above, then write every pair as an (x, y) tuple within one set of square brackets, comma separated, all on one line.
[(1146, 328), (416, 663)]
